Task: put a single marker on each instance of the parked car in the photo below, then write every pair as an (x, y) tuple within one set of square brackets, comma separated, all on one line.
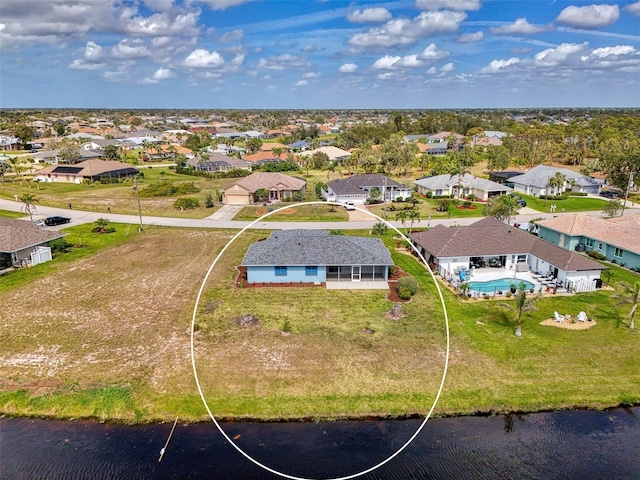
[(495, 262), (57, 220), (349, 206), (519, 200), (609, 194), (39, 223)]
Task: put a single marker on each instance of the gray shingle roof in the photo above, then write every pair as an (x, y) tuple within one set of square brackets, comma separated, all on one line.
[(316, 247), (489, 237), (18, 234), (539, 177), (445, 181), (356, 183)]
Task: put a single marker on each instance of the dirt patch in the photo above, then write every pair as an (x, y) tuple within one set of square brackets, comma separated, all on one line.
[(568, 324), (248, 321)]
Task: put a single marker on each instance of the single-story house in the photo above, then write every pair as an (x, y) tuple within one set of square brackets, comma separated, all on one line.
[(22, 243), (357, 188), (278, 185), (90, 169), (450, 250), (504, 176), (536, 182), (618, 239), (217, 162), (317, 257), (443, 185), (334, 153)]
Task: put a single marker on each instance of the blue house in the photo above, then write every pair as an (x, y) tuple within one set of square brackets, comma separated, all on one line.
[(316, 257), (617, 238)]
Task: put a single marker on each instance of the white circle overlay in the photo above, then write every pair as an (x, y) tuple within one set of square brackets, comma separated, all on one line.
[(193, 357)]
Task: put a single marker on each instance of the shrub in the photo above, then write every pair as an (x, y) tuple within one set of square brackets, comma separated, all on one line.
[(403, 292), (596, 255), (186, 203), (408, 282), (107, 180), (443, 205), (429, 194), (286, 326), (471, 197), (208, 201), (186, 188), (59, 245), (577, 194)]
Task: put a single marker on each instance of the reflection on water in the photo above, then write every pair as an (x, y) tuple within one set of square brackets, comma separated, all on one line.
[(559, 445)]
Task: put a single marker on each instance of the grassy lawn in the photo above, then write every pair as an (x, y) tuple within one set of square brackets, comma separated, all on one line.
[(570, 204), (103, 332), (303, 213), (426, 208), (10, 214), (119, 197)]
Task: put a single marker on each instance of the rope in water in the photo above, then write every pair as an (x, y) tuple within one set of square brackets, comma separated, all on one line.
[(164, 449)]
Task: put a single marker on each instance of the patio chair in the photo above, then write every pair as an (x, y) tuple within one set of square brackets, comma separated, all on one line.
[(558, 317), (582, 317)]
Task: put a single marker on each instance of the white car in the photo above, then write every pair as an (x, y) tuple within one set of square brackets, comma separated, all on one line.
[(349, 206)]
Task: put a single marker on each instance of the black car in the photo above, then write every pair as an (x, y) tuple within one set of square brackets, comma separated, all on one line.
[(519, 200), (52, 221), (609, 194)]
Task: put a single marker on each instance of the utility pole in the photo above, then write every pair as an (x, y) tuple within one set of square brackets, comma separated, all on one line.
[(135, 188), (626, 193)]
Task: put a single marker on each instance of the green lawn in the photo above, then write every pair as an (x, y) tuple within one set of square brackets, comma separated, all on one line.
[(303, 213), (10, 214), (570, 204)]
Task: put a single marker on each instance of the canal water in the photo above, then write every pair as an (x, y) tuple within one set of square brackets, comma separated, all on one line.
[(557, 445)]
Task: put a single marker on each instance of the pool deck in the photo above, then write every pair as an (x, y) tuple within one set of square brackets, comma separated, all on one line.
[(488, 274)]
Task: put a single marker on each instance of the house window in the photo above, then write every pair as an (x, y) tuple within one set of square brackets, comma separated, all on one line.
[(311, 271), (617, 252), (281, 271), (589, 242), (600, 246)]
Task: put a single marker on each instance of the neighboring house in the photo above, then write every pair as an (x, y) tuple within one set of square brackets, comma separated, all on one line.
[(315, 256), (217, 162), (503, 177), (90, 169), (618, 239), (278, 185), (22, 243), (443, 185), (334, 153), (452, 249), (357, 188), (10, 142), (536, 182)]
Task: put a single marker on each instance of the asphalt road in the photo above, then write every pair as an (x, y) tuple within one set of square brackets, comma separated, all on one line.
[(79, 217)]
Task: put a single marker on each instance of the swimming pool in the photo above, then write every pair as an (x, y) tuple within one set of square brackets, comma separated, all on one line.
[(501, 284)]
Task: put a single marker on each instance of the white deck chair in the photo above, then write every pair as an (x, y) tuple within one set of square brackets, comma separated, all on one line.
[(582, 317), (558, 317)]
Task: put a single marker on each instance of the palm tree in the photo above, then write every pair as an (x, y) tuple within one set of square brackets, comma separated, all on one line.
[(458, 170), (414, 216), (630, 297), (379, 228), (557, 182), (402, 216), (29, 204), (522, 305)]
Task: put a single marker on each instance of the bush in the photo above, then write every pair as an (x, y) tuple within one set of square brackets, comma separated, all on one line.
[(409, 283), (186, 203), (577, 194), (403, 292), (443, 205), (208, 201), (107, 180), (59, 245), (596, 255), (429, 194)]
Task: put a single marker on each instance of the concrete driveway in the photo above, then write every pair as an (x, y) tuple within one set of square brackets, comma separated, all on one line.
[(226, 212)]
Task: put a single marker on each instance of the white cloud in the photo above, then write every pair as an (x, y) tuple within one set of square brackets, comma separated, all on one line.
[(308, 48), (158, 5), (385, 76), (622, 57), (403, 31), (80, 64), (348, 68), (387, 62), (201, 58), (301, 83), (590, 16), (310, 75), (160, 23), (471, 37), (369, 15), (520, 27), (555, 57), (223, 4), (159, 75), (448, 4), (432, 53), (496, 66), (449, 67), (633, 8), (92, 51), (432, 71), (282, 62), (130, 49), (232, 36)]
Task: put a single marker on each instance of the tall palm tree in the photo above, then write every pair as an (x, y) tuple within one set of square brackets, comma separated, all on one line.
[(522, 305), (379, 228), (630, 297), (401, 217), (458, 170), (556, 181), (414, 217), (28, 206)]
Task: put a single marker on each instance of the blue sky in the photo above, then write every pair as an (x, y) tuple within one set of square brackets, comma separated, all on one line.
[(319, 53)]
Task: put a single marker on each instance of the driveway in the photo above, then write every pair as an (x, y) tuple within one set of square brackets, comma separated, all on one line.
[(358, 216), (226, 212)]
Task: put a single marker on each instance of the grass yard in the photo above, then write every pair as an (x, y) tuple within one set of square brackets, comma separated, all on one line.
[(10, 214), (104, 332), (426, 208), (570, 204), (303, 213), (119, 197)]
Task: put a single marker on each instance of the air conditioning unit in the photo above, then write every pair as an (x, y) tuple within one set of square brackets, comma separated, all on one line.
[(581, 247)]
